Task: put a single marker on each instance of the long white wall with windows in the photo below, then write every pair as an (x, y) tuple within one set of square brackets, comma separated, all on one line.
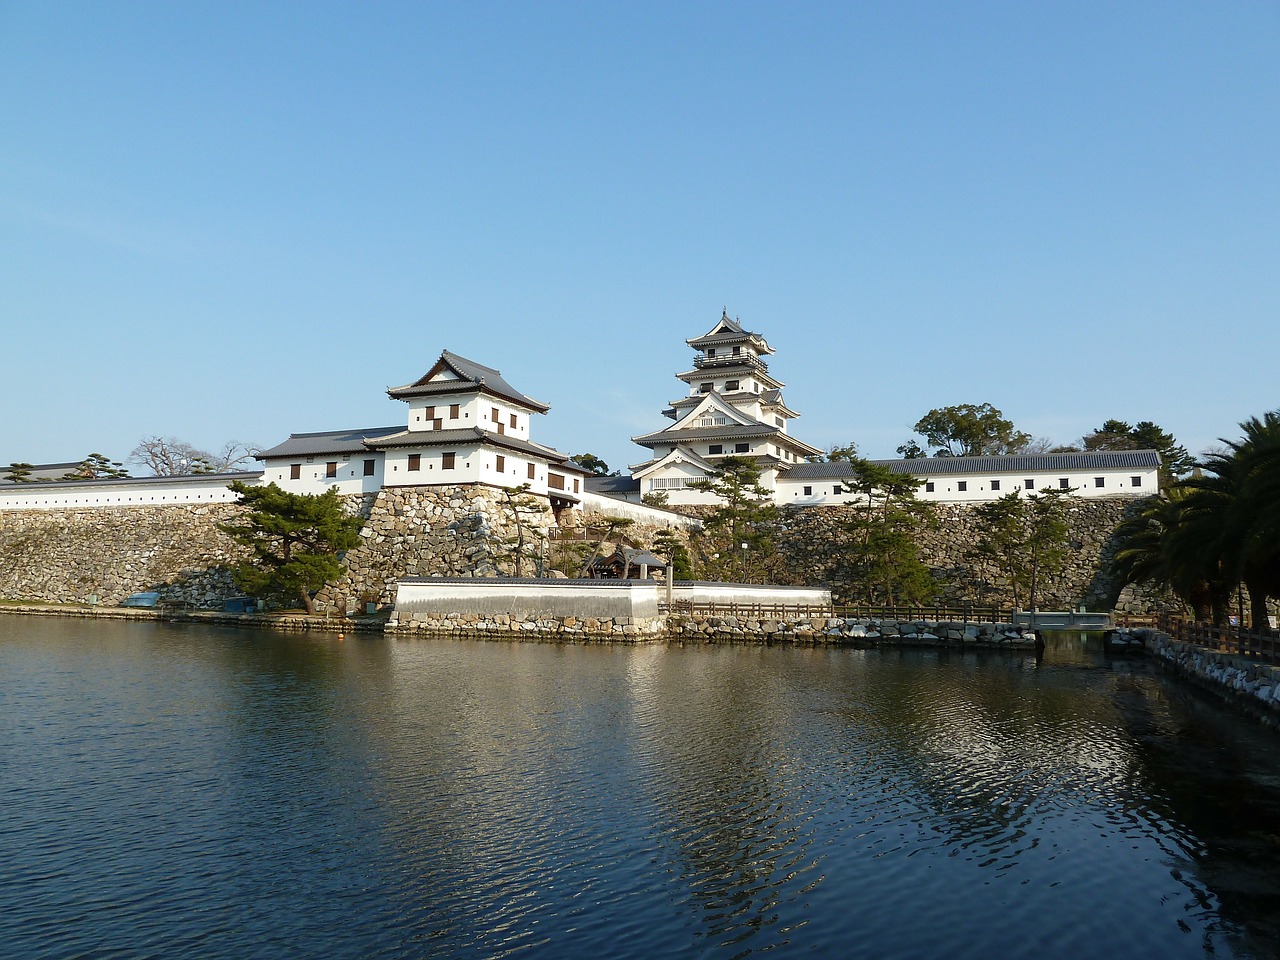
[(126, 492)]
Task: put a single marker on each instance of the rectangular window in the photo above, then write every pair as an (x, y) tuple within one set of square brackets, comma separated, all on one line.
[(836, 490), (995, 484), (808, 491), (1135, 481), (429, 413), (1029, 484), (331, 469), (711, 351), (531, 471), (962, 486), (555, 481), (495, 414), (500, 463), (514, 421), (447, 461), (575, 485), (716, 448), (777, 421), (415, 461), (295, 471), (741, 448), (437, 424), (928, 486), (1062, 483), (369, 467), (453, 411), (731, 385), (704, 388), (1099, 482), (737, 351)]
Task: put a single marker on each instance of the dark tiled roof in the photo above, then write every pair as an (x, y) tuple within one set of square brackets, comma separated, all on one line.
[(1013, 463), (472, 377), (212, 478), (467, 435), (608, 485), (327, 441), (708, 433)]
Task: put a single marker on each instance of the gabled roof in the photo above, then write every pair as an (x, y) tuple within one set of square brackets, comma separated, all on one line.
[(1012, 463), (728, 331), (456, 375), (464, 436), (678, 455), (327, 441)]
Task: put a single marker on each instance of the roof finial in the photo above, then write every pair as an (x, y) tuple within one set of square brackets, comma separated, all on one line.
[(724, 312)]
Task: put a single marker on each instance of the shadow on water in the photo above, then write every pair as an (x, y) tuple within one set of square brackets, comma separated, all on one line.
[(249, 794)]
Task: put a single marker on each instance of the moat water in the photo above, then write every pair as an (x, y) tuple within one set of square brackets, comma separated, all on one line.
[(194, 792)]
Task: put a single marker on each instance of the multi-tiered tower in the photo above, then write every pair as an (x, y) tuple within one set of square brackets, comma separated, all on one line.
[(733, 408)]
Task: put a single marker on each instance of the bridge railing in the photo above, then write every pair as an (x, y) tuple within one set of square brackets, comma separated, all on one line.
[(1260, 645)]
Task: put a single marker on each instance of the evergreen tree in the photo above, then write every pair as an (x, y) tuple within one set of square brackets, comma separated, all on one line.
[(746, 513), (1026, 537), (296, 540), (882, 553), (94, 467), (19, 473), (968, 430)]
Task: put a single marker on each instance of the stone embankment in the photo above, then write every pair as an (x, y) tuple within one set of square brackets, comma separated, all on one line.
[(864, 633), (506, 627), (1251, 685), (290, 622)]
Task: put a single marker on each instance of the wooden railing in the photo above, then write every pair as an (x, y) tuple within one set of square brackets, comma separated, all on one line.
[(746, 611), (1260, 645)]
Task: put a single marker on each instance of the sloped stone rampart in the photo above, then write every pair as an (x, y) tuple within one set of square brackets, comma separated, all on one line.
[(814, 546), (108, 553), (463, 531)]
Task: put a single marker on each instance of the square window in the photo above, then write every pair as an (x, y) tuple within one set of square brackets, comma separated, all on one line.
[(711, 351), (962, 486), (1099, 482), (500, 463), (1135, 481), (331, 469), (808, 491), (1029, 484), (437, 424), (928, 486), (1062, 483), (368, 468), (995, 484), (415, 461), (295, 471), (836, 490), (448, 460)]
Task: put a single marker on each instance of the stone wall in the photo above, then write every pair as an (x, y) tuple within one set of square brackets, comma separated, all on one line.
[(73, 556), (812, 543), (465, 531), (1251, 685)]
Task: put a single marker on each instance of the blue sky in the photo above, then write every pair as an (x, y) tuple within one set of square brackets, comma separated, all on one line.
[(232, 220)]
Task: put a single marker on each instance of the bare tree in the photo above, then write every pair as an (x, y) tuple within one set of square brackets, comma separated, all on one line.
[(171, 457)]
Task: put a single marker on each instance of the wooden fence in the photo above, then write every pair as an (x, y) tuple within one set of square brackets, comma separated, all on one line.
[(1260, 645)]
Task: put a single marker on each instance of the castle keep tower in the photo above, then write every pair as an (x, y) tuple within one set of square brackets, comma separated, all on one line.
[(734, 408)]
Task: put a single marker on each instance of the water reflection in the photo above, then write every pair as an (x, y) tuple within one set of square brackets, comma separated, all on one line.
[(235, 794)]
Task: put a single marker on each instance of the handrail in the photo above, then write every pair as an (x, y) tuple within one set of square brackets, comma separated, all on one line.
[(1260, 645)]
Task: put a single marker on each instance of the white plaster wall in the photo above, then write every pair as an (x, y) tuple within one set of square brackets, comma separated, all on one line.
[(1117, 482), (699, 591), (594, 503), (473, 411), (133, 492), (350, 478), (601, 599)]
